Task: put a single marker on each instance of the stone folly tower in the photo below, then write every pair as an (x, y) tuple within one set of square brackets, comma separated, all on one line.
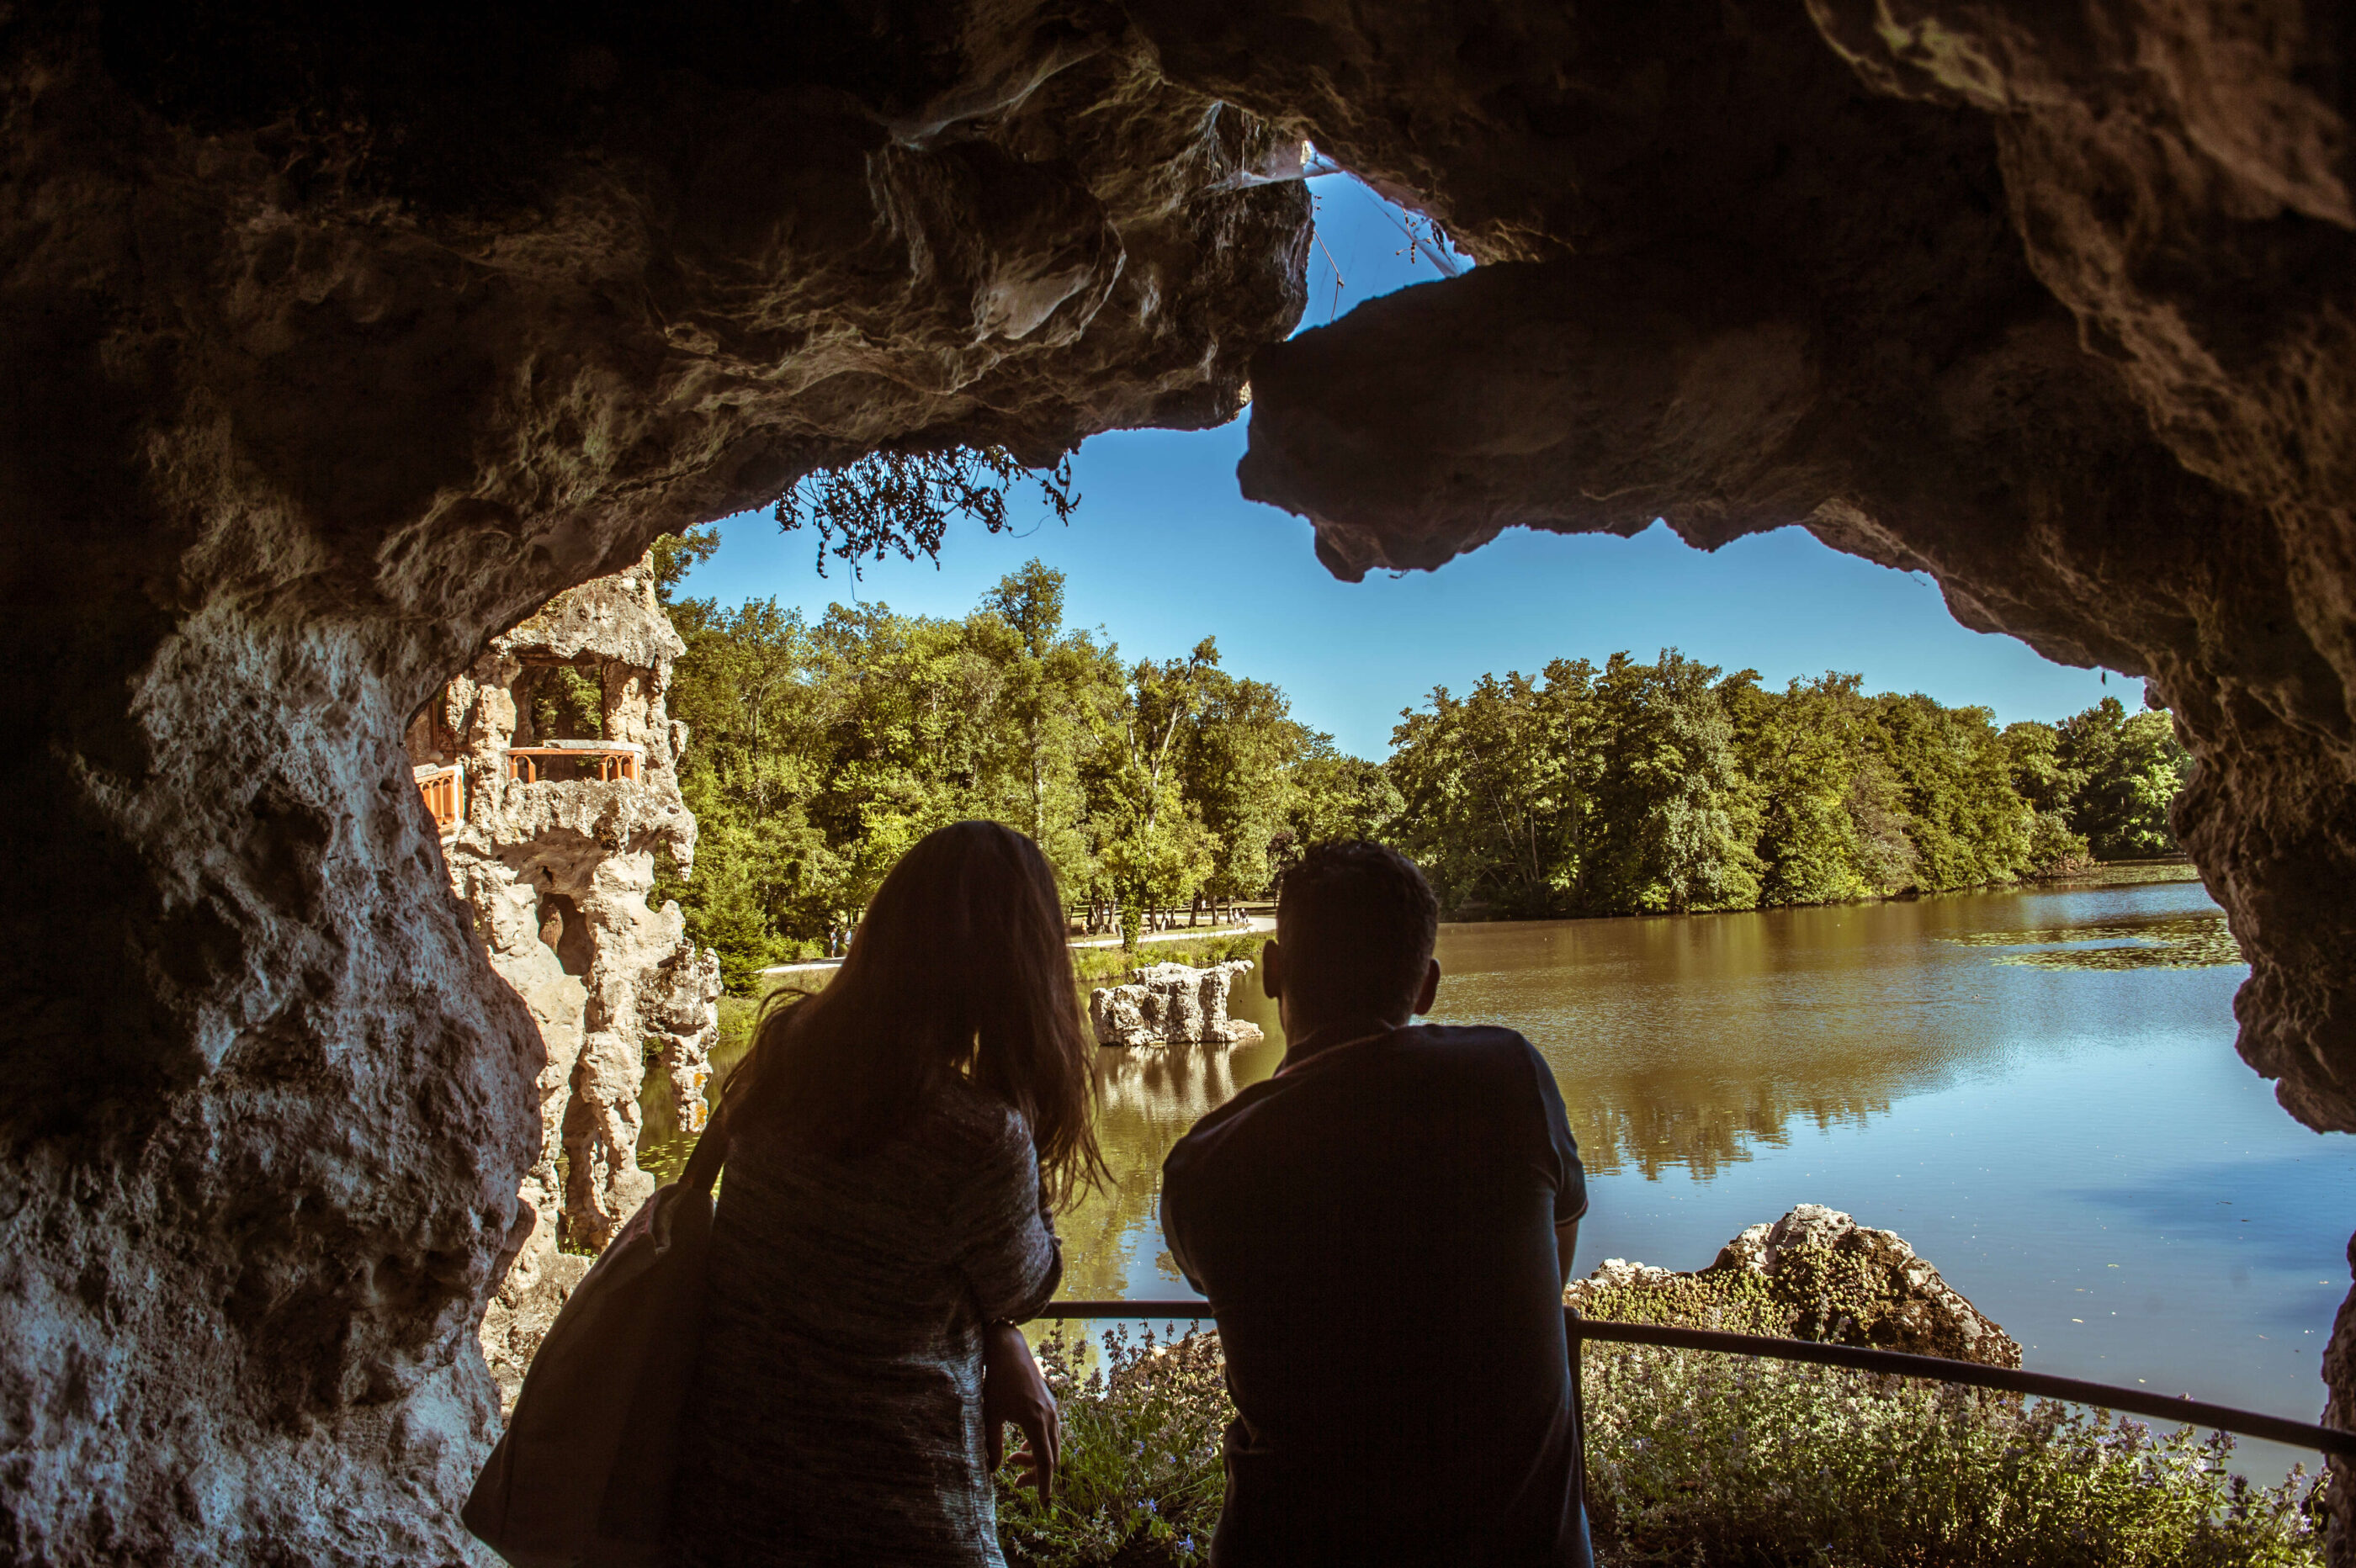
[(552, 766)]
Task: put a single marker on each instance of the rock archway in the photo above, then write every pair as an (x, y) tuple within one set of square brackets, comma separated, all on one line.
[(338, 343)]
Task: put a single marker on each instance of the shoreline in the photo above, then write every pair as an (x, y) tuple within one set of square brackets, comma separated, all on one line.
[(1254, 925), (2096, 878)]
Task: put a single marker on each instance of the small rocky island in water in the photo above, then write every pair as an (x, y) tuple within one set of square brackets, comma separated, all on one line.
[(1815, 1273), (1172, 1004)]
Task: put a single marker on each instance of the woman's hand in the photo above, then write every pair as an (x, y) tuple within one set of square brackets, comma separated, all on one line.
[(1012, 1390)]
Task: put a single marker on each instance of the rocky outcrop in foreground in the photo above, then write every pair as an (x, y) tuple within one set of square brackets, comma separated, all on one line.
[(1815, 1273), (1172, 1004)]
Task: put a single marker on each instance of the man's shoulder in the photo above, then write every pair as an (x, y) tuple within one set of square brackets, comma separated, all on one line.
[(1461, 1051), (1483, 1039), (1213, 1128), (1474, 1050)]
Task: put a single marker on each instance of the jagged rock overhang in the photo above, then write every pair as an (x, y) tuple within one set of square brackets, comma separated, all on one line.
[(345, 341), (2054, 303)]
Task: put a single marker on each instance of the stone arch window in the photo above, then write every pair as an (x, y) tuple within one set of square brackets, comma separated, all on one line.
[(560, 699)]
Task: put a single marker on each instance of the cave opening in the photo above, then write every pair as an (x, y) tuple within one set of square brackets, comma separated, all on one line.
[(349, 346)]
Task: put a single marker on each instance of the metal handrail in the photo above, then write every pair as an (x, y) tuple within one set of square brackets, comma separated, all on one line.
[(1857, 1358)]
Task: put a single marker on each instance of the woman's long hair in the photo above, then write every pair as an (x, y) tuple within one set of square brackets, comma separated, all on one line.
[(959, 966)]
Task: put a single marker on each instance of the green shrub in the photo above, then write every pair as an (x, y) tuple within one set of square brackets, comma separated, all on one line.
[(1141, 1482), (1698, 1459), (1110, 965), (1701, 1457)]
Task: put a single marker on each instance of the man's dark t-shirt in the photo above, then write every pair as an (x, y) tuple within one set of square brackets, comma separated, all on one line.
[(1374, 1226)]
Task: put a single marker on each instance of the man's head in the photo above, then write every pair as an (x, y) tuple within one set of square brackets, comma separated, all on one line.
[(1354, 926)]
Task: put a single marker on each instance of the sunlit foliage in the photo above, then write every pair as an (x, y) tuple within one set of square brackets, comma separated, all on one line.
[(1141, 1482), (1702, 1457), (821, 753), (1660, 786), (903, 501)]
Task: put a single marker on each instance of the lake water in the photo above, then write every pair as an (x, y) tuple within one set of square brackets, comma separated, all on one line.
[(2038, 1089)]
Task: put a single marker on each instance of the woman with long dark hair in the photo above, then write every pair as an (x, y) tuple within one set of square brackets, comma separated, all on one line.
[(895, 1147)]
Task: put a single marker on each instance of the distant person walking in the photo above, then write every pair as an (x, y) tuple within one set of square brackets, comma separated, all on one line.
[(1384, 1228), (892, 1143)]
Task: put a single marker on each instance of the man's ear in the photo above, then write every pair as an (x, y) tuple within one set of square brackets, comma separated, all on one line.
[(1424, 997), (1271, 971)]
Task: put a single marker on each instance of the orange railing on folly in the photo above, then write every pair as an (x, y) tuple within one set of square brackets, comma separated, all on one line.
[(445, 790), (606, 761)]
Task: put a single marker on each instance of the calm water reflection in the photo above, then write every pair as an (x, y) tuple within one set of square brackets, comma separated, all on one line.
[(2038, 1089)]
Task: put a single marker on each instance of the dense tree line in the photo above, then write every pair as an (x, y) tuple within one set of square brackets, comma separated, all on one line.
[(1664, 786), (822, 751)]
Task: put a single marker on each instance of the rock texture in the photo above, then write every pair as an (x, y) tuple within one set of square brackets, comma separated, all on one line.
[(1172, 1004), (337, 343), (556, 870), (1827, 1278), (2056, 301)]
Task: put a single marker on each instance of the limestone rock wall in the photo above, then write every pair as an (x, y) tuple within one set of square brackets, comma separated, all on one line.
[(334, 345), (554, 854)]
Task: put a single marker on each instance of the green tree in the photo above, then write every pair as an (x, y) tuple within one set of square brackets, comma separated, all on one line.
[(822, 752), (676, 555), (1060, 688), (1331, 795), (1679, 816), (762, 865), (1658, 786), (2129, 769), (1152, 841), (1969, 826), (1498, 789), (1244, 746), (1830, 827), (2051, 790)]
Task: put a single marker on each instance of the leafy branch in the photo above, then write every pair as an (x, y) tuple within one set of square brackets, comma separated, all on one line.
[(904, 501)]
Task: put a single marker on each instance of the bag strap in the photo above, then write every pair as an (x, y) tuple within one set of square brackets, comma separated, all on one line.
[(702, 1172)]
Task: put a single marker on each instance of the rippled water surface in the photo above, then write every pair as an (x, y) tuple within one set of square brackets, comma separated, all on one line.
[(2037, 1088)]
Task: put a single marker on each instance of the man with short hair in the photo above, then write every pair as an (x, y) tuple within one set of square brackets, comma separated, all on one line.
[(1385, 1228)]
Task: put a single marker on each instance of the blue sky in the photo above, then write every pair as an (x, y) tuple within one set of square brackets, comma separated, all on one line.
[(1165, 551)]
